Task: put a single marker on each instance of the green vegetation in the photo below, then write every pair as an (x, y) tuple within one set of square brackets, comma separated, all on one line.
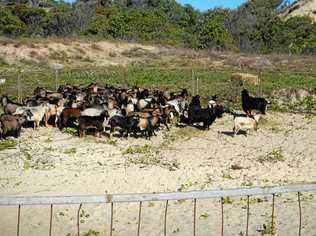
[(108, 141), (70, 151), (70, 131), (204, 215), (253, 27), (273, 125), (187, 133), (215, 35), (185, 186), (247, 183), (266, 229), (91, 233), (138, 149), (273, 156), (8, 143), (227, 200), (227, 176), (210, 83)]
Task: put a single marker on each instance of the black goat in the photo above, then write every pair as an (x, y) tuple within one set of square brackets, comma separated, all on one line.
[(207, 116), (253, 103), (92, 122), (127, 124)]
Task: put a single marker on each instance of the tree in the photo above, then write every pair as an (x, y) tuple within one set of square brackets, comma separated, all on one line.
[(215, 35), (10, 25)]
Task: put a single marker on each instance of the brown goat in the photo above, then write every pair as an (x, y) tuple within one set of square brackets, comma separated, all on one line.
[(68, 114), (11, 125)]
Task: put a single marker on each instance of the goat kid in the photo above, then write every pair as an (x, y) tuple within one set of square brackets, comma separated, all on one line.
[(246, 123)]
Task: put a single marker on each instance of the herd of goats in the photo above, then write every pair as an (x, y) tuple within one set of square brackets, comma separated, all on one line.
[(106, 110)]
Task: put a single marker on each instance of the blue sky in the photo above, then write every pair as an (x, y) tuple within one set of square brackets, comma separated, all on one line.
[(204, 5)]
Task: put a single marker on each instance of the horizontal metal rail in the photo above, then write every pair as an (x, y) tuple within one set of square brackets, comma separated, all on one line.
[(141, 197)]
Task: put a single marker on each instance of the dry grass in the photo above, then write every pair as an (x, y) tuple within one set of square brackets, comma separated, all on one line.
[(70, 51)]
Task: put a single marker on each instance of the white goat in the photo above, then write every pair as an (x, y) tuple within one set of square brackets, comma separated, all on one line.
[(245, 123), (92, 111), (38, 113)]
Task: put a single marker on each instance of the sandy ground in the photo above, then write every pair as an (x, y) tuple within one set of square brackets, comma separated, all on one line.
[(48, 162), (73, 52)]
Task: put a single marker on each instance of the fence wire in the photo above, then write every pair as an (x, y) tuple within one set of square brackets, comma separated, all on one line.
[(198, 80)]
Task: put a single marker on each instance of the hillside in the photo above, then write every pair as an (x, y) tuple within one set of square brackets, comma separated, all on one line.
[(301, 8), (69, 52), (254, 27)]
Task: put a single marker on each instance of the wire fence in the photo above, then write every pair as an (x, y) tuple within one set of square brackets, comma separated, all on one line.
[(199, 80), (166, 197)]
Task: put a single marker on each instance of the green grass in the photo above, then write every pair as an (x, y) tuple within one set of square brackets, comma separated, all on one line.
[(8, 143), (228, 200), (204, 215), (210, 82), (187, 132), (70, 151), (273, 156), (137, 149), (185, 186), (92, 233), (108, 141), (70, 131), (271, 124), (266, 229)]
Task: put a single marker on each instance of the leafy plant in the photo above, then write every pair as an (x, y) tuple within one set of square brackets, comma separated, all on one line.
[(8, 143), (70, 151), (215, 35), (204, 215), (265, 229), (92, 233), (137, 149), (71, 131), (273, 156), (227, 200)]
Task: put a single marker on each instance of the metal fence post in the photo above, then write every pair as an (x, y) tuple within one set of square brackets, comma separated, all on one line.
[(192, 78), (19, 88), (222, 211), (111, 224), (56, 79), (247, 226), (139, 218), (78, 220), (197, 85), (272, 216), (51, 220), (194, 218), (300, 213), (18, 224), (165, 222)]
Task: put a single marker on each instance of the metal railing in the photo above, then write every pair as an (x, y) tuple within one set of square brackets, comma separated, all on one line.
[(168, 196)]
